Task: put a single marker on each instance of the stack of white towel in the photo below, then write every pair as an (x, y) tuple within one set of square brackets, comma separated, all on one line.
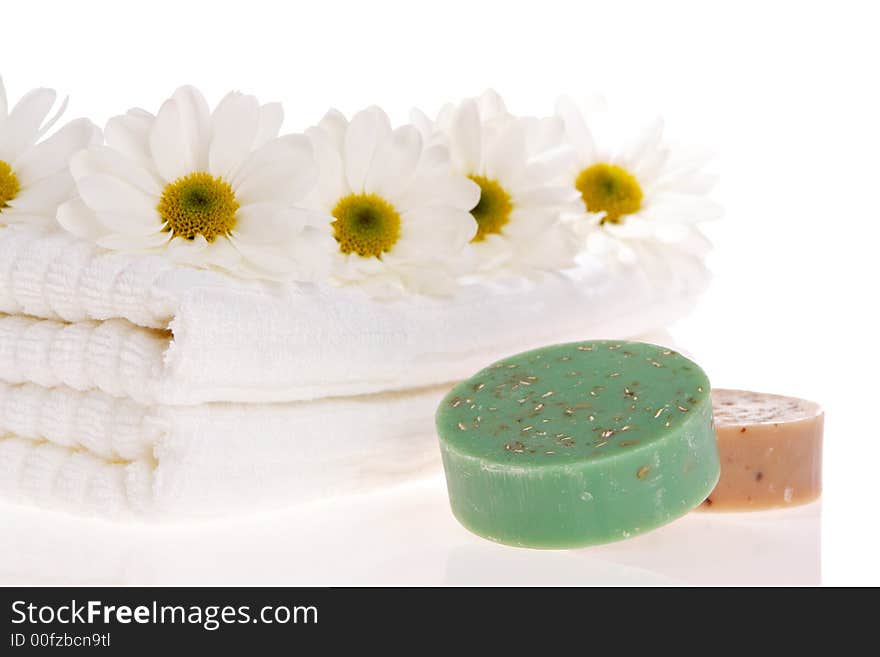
[(132, 386)]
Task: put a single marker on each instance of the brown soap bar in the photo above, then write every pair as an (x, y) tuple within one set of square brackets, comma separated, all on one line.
[(770, 448)]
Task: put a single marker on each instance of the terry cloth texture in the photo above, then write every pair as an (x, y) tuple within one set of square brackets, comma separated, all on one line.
[(130, 386), (92, 453), (142, 327)]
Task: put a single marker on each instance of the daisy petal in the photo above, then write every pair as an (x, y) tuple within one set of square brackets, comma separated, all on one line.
[(335, 125), (265, 258), (440, 230), (265, 223), (105, 160), (466, 138), (506, 155), (79, 219), (543, 135), (185, 251), (650, 165), (311, 252), (105, 193), (21, 128), (423, 124), (179, 134), (45, 195), (367, 130), (551, 167), (128, 243), (576, 129), (12, 216), (672, 232), (221, 253), (648, 143), (331, 184), (130, 135), (444, 117), (434, 160), (395, 162), (525, 226), (167, 144), (195, 125), (47, 125), (492, 106), (52, 155), (129, 224), (271, 118), (283, 171), (234, 130), (453, 191), (545, 197), (269, 155)]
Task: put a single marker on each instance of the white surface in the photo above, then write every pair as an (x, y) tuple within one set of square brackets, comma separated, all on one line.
[(786, 93), (401, 537)]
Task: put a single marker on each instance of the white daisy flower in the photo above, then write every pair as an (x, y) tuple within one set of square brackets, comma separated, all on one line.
[(210, 189), (637, 197), (34, 178), (518, 164), (400, 218)]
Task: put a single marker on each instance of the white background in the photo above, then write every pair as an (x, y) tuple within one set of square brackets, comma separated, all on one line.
[(787, 96)]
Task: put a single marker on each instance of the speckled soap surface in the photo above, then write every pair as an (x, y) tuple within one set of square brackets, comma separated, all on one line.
[(578, 444), (770, 448)]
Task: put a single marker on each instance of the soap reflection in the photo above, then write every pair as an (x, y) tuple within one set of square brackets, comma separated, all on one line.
[(491, 565), (779, 547), (768, 548), (401, 537)]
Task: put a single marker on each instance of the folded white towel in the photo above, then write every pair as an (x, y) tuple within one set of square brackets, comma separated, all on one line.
[(92, 453), (129, 385), (161, 334)]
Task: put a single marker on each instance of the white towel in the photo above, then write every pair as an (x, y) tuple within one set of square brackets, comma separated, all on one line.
[(131, 386), (92, 453), (143, 328)]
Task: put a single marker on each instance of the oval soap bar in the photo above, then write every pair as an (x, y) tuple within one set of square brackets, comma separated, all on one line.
[(770, 448), (578, 444)]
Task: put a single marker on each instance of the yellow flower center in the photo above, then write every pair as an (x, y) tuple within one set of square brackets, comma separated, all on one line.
[(493, 209), (9, 186), (198, 204), (610, 189), (365, 224)]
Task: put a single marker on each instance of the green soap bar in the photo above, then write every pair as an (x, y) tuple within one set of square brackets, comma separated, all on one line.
[(578, 444)]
